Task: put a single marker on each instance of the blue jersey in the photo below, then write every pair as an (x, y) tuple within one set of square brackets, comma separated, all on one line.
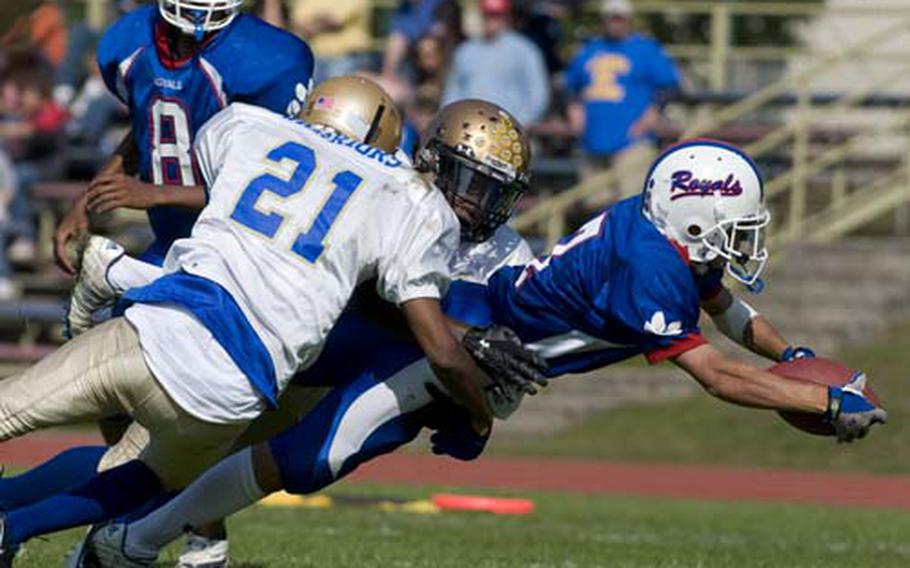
[(617, 81), (616, 288), (169, 99)]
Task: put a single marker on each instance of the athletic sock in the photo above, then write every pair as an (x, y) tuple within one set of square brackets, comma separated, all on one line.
[(149, 506), (67, 470), (115, 492), (129, 272), (226, 488)]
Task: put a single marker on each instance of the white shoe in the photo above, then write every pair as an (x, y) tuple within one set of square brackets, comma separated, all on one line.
[(107, 547), (93, 258), (204, 552)]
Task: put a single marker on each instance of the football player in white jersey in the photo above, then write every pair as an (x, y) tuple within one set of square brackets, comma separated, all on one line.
[(483, 198), (299, 214)]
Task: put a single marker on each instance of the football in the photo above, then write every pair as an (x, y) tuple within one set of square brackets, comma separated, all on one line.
[(820, 371)]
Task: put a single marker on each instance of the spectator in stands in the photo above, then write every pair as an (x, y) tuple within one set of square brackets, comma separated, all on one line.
[(431, 66), (502, 66), (619, 82), (43, 29), (338, 33), (539, 20), (415, 19), (8, 290), (30, 132), (419, 112)]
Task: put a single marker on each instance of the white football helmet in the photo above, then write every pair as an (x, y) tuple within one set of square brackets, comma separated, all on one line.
[(198, 17), (707, 195)]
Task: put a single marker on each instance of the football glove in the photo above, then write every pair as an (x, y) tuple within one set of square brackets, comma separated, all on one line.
[(454, 435), (850, 412), (499, 352), (459, 441), (793, 353)]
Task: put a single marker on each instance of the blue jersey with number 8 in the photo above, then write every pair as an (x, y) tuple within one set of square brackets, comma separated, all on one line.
[(169, 98)]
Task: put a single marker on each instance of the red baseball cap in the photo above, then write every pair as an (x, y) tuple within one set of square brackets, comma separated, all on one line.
[(496, 7)]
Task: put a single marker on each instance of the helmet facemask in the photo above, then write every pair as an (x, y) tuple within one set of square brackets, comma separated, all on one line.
[(482, 196), (741, 242), (199, 17)]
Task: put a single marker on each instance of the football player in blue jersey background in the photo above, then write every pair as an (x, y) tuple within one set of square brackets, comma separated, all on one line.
[(176, 64), (618, 82), (630, 282)]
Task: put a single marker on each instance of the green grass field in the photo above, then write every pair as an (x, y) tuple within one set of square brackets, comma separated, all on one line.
[(569, 530), (565, 531)]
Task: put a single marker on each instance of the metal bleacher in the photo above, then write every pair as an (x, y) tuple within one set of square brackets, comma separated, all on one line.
[(31, 326), (835, 163), (822, 184)]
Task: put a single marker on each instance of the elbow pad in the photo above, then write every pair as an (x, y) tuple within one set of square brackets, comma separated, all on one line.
[(732, 322)]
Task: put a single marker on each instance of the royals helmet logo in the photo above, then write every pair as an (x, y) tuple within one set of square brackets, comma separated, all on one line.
[(684, 184)]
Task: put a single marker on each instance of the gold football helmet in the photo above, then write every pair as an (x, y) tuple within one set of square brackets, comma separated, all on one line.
[(358, 108), (481, 158)]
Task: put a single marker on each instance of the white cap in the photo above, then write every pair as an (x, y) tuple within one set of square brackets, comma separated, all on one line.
[(616, 8)]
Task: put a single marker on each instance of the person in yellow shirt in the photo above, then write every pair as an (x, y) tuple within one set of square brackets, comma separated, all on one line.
[(338, 33)]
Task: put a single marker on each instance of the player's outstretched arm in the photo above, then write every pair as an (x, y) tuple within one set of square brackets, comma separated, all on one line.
[(739, 383), (452, 364), (743, 384), (743, 324)]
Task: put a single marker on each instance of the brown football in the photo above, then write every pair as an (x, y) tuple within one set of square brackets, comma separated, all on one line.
[(820, 371)]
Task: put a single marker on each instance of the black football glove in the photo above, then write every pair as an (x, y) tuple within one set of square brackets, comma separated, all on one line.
[(454, 434), (499, 352)]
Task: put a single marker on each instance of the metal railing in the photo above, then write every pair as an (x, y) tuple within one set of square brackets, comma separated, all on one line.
[(96, 13), (719, 50), (789, 191)]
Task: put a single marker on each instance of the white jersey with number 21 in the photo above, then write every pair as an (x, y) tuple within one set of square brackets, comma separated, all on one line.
[(297, 217)]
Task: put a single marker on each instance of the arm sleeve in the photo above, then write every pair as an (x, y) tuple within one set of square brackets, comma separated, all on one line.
[(418, 266), (403, 23), (284, 91), (113, 57), (415, 23), (211, 143), (663, 70)]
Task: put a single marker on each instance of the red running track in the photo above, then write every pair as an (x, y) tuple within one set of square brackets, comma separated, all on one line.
[(580, 476)]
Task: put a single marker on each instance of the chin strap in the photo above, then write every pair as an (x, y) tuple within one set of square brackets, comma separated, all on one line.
[(756, 287), (199, 30)]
